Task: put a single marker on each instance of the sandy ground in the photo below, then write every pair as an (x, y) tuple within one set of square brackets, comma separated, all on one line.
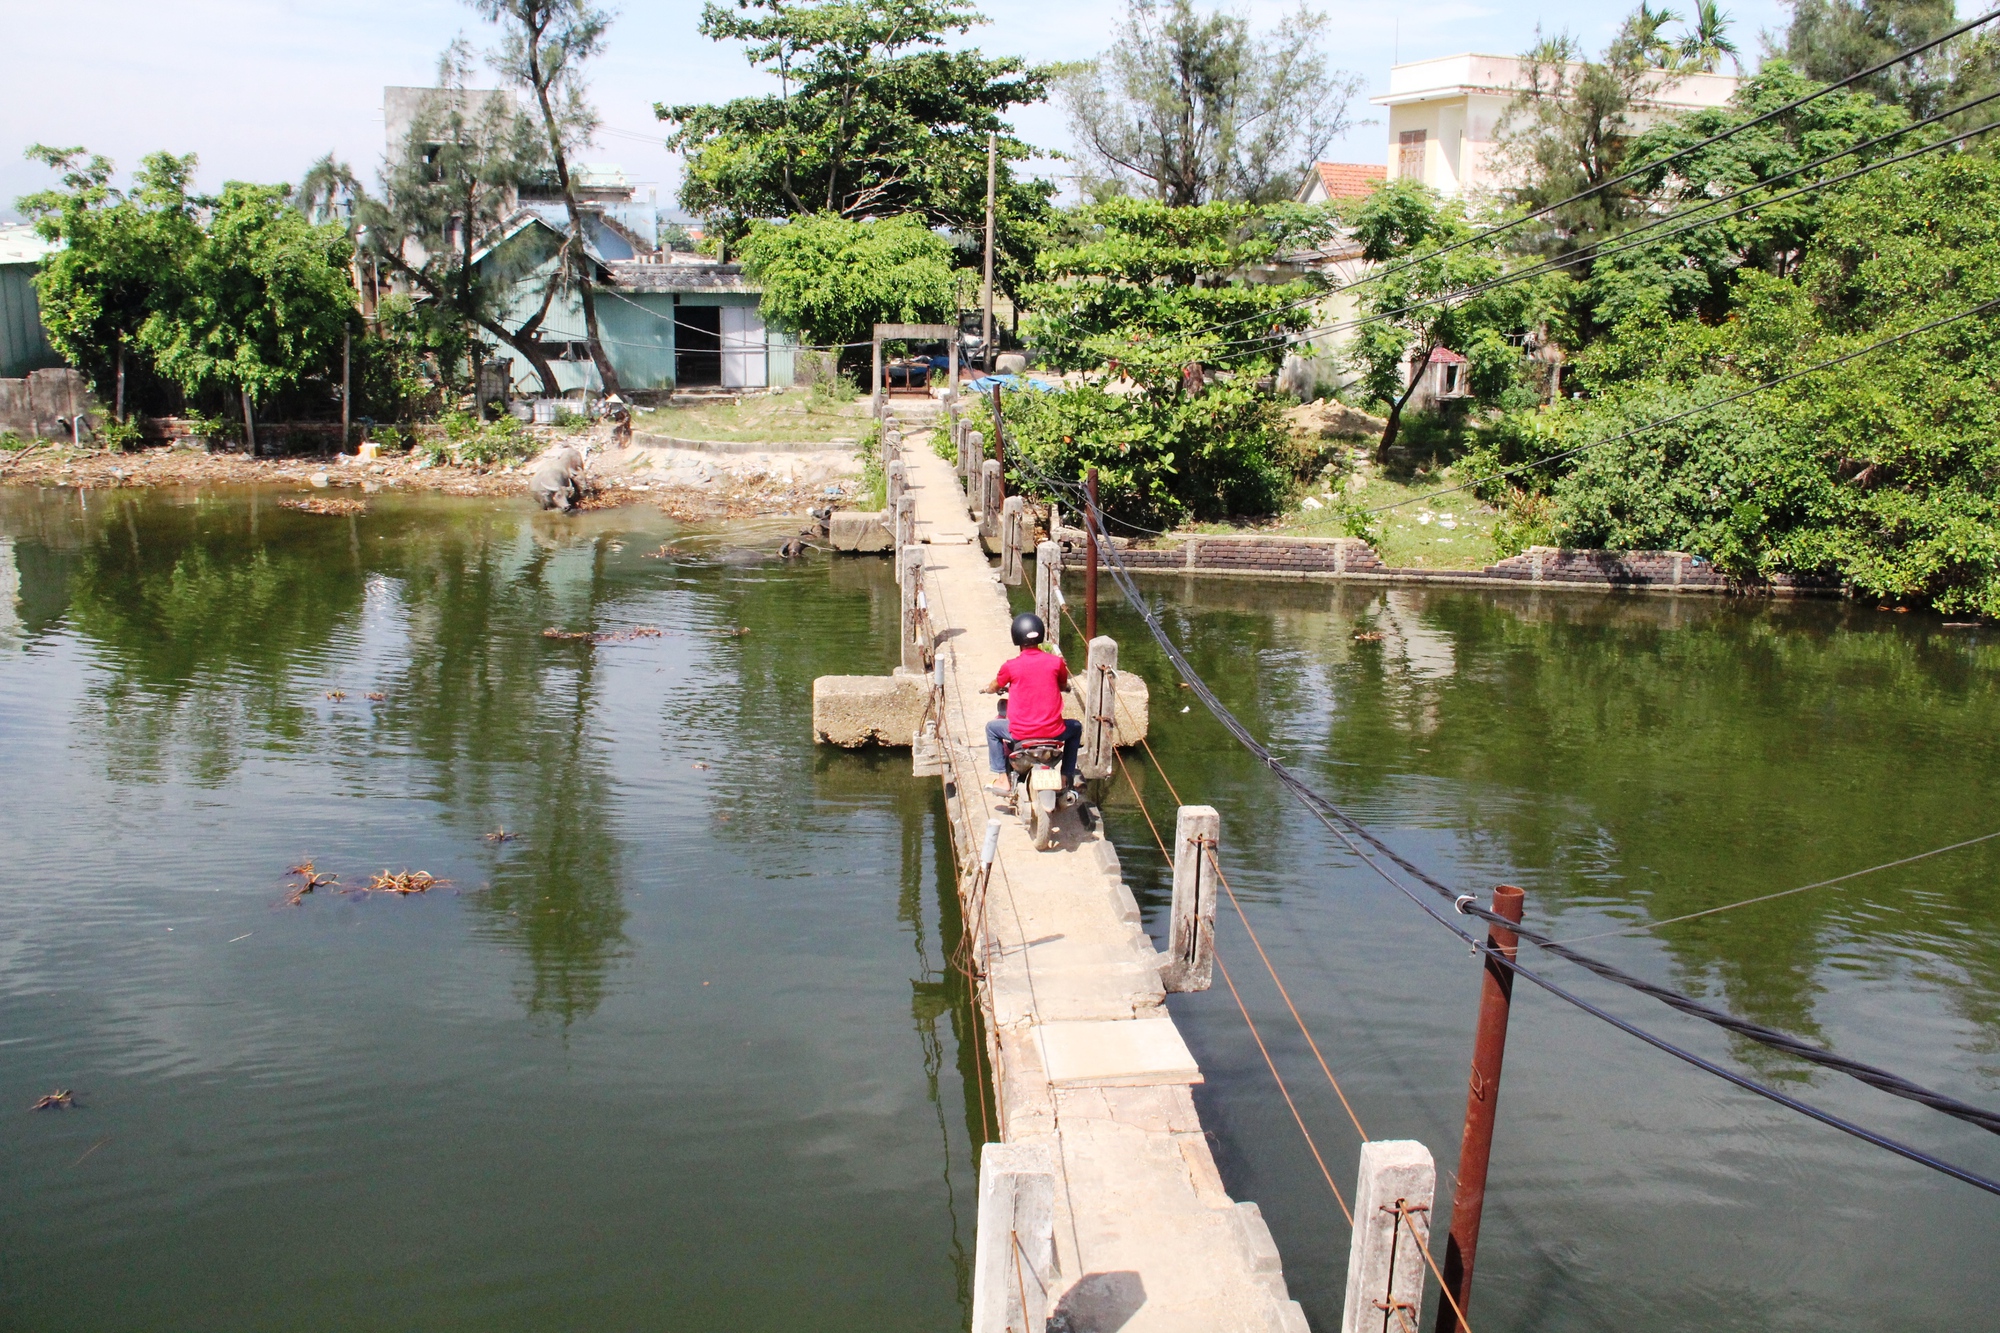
[(685, 483)]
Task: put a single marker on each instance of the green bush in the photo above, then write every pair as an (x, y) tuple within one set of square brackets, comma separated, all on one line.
[(1160, 460)]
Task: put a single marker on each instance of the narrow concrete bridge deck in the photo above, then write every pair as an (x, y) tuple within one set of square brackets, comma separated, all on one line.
[(1085, 1059)]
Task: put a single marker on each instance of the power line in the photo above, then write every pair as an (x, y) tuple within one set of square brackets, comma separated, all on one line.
[(1348, 830), (1783, 893), (1655, 164)]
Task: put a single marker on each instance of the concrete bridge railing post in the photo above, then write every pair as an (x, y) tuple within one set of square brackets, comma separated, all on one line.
[(990, 489), (1100, 705), (898, 477), (906, 522), (1392, 1228), (1013, 529), (1048, 592), (969, 451), (1189, 964), (916, 607), (1014, 1265)]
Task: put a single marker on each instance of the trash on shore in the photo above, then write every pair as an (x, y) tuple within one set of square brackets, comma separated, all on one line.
[(62, 1099), (318, 506), (405, 882), (604, 636)]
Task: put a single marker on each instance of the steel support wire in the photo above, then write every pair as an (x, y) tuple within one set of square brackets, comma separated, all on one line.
[(1893, 1084), (1366, 846)]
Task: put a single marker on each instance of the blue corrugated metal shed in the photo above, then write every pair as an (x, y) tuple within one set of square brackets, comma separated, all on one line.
[(23, 345)]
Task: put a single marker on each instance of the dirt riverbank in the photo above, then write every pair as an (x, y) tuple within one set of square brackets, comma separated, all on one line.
[(686, 484)]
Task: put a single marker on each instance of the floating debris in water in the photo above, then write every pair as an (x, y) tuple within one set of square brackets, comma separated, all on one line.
[(62, 1099), (501, 835), (666, 552), (1368, 636), (376, 696), (336, 695), (405, 881), (308, 880), (699, 764), (318, 506), (603, 636), (737, 632)]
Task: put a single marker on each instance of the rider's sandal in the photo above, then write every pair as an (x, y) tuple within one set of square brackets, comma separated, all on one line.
[(999, 787)]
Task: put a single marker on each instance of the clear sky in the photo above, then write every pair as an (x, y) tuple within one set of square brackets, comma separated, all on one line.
[(260, 88)]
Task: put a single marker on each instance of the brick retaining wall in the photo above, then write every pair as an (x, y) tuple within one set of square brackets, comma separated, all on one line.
[(1351, 558)]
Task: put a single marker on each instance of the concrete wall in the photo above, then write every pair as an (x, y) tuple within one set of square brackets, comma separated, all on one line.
[(1348, 557), (37, 404)]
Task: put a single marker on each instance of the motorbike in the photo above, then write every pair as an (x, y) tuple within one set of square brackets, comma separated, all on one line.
[(1037, 766)]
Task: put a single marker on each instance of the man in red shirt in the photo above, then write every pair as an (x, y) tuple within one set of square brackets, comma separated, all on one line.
[(1035, 681)]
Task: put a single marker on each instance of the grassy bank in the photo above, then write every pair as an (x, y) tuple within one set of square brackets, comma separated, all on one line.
[(794, 416)]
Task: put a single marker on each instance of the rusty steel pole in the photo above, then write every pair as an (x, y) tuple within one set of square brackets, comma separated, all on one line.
[(1482, 1100), (1090, 558)]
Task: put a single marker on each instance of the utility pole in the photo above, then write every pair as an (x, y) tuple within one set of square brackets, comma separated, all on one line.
[(986, 300), (1482, 1104), (347, 387), (1090, 521)]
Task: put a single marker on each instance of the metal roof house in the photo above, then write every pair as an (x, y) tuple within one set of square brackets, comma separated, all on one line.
[(23, 344), (666, 320)]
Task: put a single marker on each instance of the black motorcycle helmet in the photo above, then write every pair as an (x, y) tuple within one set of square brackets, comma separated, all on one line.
[(1028, 628)]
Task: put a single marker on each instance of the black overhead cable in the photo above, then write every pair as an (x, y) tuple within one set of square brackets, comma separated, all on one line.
[(1348, 830), (1629, 240), (1650, 165)]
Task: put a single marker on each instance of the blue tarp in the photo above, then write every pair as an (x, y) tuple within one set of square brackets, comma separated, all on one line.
[(988, 383)]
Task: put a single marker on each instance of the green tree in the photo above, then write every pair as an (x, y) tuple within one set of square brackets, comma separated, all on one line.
[(1695, 272), (1176, 350), (120, 259), (1428, 253), (543, 48), (1830, 40), (873, 117), (262, 304), (1878, 473), (1707, 41), (832, 278), (1190, 107), (443, 190)]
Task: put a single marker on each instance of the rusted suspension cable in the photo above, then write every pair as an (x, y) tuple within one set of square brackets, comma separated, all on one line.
[(1248, 1021), (1424, 1247)]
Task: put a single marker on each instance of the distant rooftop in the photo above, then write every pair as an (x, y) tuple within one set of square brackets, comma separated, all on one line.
[(20, 245)]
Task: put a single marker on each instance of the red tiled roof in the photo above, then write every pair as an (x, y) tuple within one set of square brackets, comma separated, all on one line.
[(1444, 356), (1350, 180)]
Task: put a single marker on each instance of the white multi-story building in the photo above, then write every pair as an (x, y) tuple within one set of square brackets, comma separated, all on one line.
[(1444, 115)]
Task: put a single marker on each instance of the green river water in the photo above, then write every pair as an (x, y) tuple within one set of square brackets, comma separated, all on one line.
[(686, 1052)]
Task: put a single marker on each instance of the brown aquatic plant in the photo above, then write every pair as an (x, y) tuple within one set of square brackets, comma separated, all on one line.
[(308, 880), (331, 507), (603, 636), (62, 1099), (405, 882)]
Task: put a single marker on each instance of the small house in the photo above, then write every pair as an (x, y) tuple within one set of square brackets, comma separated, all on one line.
[(667, 320), (23, 344)]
